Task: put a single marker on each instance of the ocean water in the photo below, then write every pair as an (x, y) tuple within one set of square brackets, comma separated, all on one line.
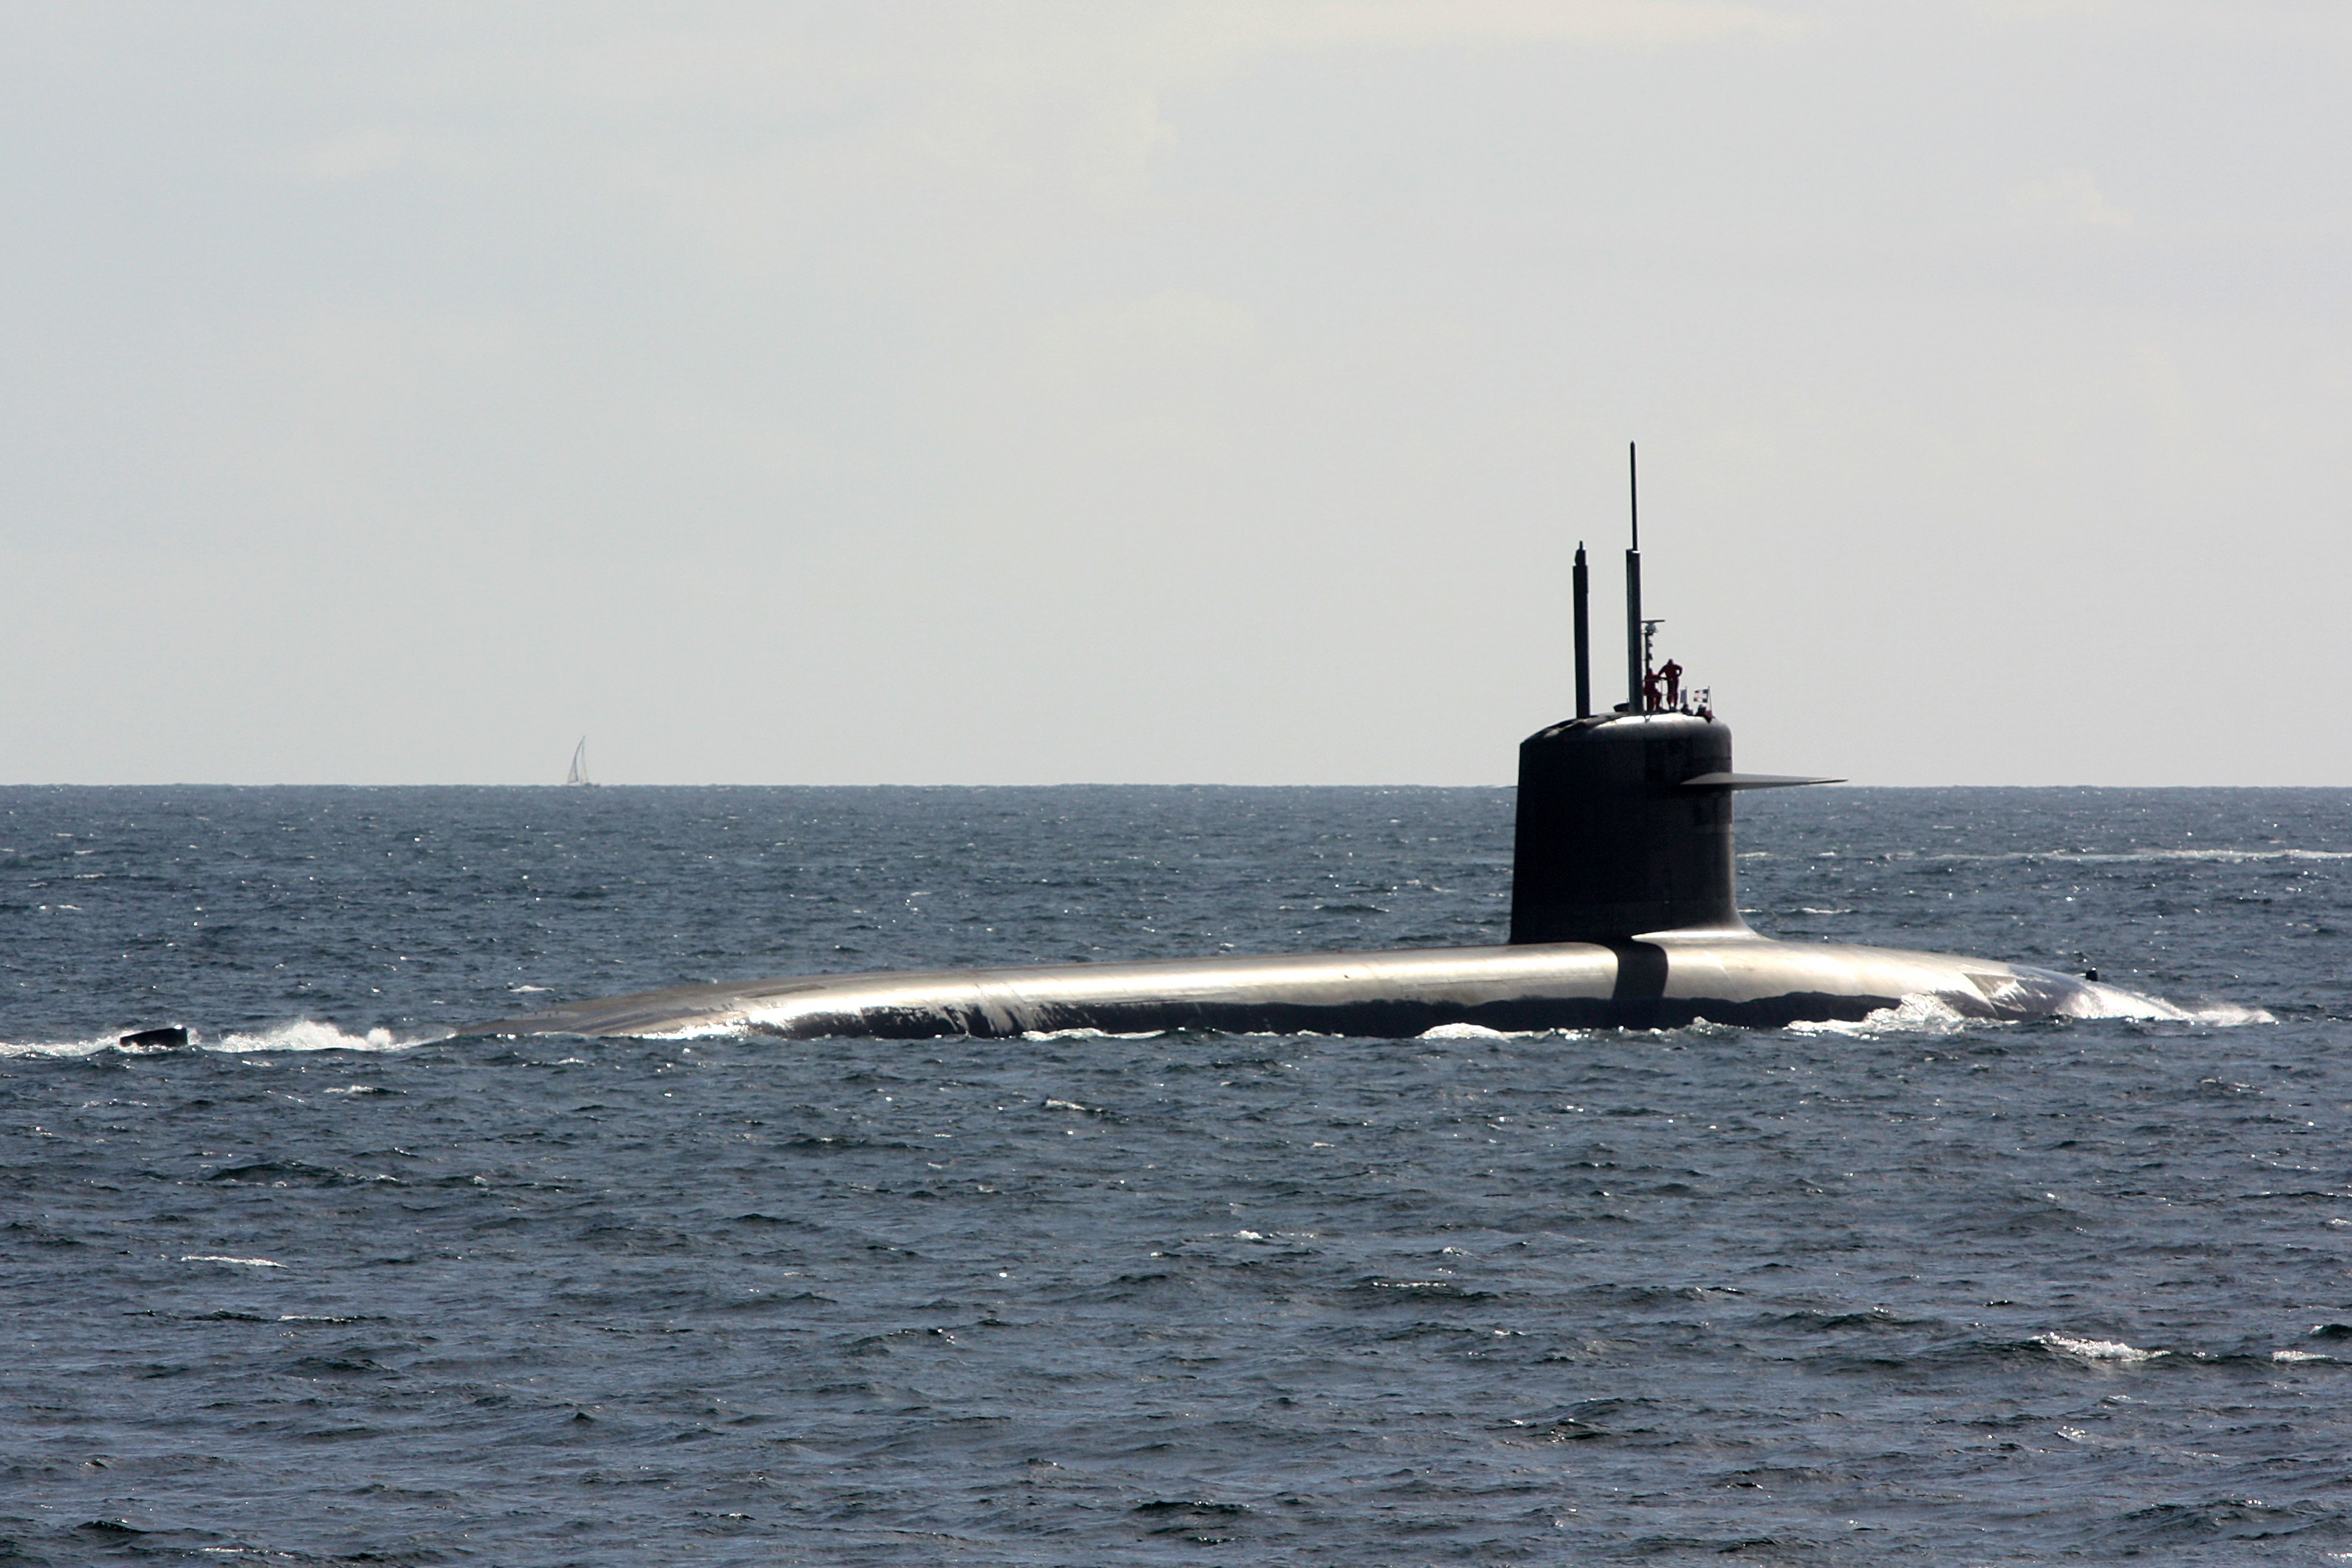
[(341, 1285)]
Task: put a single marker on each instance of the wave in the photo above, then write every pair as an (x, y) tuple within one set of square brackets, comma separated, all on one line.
[(1922, 1014), (2095, 1001), (301, 1034), (2131, 857), (2092, 857), (1040, 1035), (1928, 1013), (2113, 1350), (309, 1034), (1480, 1031), (2227, 1015), (728, 1028)]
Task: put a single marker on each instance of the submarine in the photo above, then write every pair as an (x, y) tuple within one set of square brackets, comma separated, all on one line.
[(1623, 916)]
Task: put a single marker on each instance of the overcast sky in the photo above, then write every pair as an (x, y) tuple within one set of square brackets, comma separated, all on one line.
[(1193, 392)]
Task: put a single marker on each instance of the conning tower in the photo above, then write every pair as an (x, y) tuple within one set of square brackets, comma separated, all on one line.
[(1624, 827), (1624, 818)]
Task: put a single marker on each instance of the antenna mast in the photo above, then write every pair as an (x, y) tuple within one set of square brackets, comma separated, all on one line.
[(1633, 589), (1584, 636)]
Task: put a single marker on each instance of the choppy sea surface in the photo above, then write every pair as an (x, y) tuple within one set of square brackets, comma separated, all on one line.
[(339, 1285)]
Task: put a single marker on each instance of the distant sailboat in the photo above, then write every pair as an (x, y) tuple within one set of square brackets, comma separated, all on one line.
[(578, 774)]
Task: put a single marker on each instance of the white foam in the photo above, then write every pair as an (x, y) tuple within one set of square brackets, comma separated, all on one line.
[(58, 1048), (1921, 1014), (1045, 1034), (732, 1029), (1928, 1013), (1480, 1031), (2228, 1015), (2096, 1349), (2294, 1356), (310, 1034), (240, 1262), (301, 1034), (2097, 1001)]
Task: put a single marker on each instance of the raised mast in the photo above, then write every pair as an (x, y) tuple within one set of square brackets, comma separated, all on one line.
[(1633, 671), (1584, 636)]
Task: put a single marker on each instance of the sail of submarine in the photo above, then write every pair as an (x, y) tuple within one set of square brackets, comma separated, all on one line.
[(1623, 915)]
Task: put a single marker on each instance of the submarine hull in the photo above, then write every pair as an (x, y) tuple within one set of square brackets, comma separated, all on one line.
[(1664, 980)]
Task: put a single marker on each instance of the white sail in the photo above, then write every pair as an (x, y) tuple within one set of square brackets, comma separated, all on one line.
[(578, 774)]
